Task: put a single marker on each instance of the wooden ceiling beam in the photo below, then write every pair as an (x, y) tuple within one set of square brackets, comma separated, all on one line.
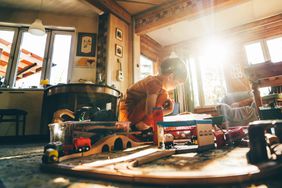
[(112, 7), (178, 10)]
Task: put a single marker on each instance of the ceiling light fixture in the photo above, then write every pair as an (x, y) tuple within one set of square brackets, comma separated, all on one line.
[(37, 28)]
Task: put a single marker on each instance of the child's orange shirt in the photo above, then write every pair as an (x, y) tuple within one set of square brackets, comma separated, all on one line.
[(132, 108)]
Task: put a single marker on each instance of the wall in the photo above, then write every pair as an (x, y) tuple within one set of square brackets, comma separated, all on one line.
[(136, 57), (80, 23), (112, 65), (13, 99)]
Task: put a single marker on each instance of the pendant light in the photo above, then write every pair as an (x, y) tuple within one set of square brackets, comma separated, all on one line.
[(37, 28)]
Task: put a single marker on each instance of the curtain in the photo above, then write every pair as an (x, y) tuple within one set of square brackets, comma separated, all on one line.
[(184, 94)]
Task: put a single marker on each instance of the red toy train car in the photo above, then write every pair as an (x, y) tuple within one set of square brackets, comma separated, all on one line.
[(82, 144), (54, 150)]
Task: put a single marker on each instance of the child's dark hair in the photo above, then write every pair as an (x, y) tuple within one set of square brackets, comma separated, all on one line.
[(175, 66)]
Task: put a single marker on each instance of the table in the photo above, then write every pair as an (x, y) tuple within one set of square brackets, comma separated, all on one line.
[(75, 96)]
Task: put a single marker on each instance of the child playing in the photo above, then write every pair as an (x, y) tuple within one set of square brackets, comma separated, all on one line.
[(143, 96)]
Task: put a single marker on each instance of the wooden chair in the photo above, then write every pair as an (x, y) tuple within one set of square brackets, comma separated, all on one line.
[(14, 115), (263, 75)]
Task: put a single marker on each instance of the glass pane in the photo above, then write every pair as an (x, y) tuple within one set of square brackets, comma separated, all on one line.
[(60, 59), (212, 80), (264, 91), (275, 49), (194, 81), (146, 67), (254, 53), (6, 39), (30, 60)]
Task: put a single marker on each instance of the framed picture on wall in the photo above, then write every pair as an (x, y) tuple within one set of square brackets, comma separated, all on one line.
[(86, 44), (118, 50), (119, 34)]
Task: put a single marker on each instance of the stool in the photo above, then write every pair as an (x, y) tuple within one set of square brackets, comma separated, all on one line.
[(18, 116)]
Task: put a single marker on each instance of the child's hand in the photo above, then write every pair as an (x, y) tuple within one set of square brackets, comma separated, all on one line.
[(168, 106)]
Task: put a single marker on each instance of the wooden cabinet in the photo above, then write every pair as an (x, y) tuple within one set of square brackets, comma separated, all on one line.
[(25, 99)]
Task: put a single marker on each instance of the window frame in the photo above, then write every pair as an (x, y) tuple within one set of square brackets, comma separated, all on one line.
[(12, 51), (10, 77), (153, 65), (264, 46), (49, 53)]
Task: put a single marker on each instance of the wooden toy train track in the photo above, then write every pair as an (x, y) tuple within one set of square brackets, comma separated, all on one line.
[(168, 167)]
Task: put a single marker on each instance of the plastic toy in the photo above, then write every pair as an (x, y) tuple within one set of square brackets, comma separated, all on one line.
[(202, 128)]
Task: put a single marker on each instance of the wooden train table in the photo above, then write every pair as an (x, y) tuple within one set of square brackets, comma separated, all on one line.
[(149, 165)]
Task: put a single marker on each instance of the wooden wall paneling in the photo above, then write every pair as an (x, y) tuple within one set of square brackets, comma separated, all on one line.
[(257, 24), (234, 70)]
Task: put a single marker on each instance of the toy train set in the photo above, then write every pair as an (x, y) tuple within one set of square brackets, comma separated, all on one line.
[(75, 139)]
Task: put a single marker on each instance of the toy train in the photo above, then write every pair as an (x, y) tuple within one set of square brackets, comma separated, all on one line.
[(71, 139), (188, 136), (54, 150)]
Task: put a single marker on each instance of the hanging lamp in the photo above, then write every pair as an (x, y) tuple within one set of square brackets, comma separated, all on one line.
[(37, 28)]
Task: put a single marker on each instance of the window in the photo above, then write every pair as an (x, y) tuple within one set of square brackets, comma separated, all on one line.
[(146, 67), (207, 80), (254, 53), (30, 60), (6, 41), (213, 83), (275, 49), (205, 66), (264, 50), (60, 58), (35, 58)]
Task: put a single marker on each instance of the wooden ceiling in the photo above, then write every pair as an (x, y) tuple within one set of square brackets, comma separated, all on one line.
[(200, 19), (134, 7), (71, 7), (79, 7)]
